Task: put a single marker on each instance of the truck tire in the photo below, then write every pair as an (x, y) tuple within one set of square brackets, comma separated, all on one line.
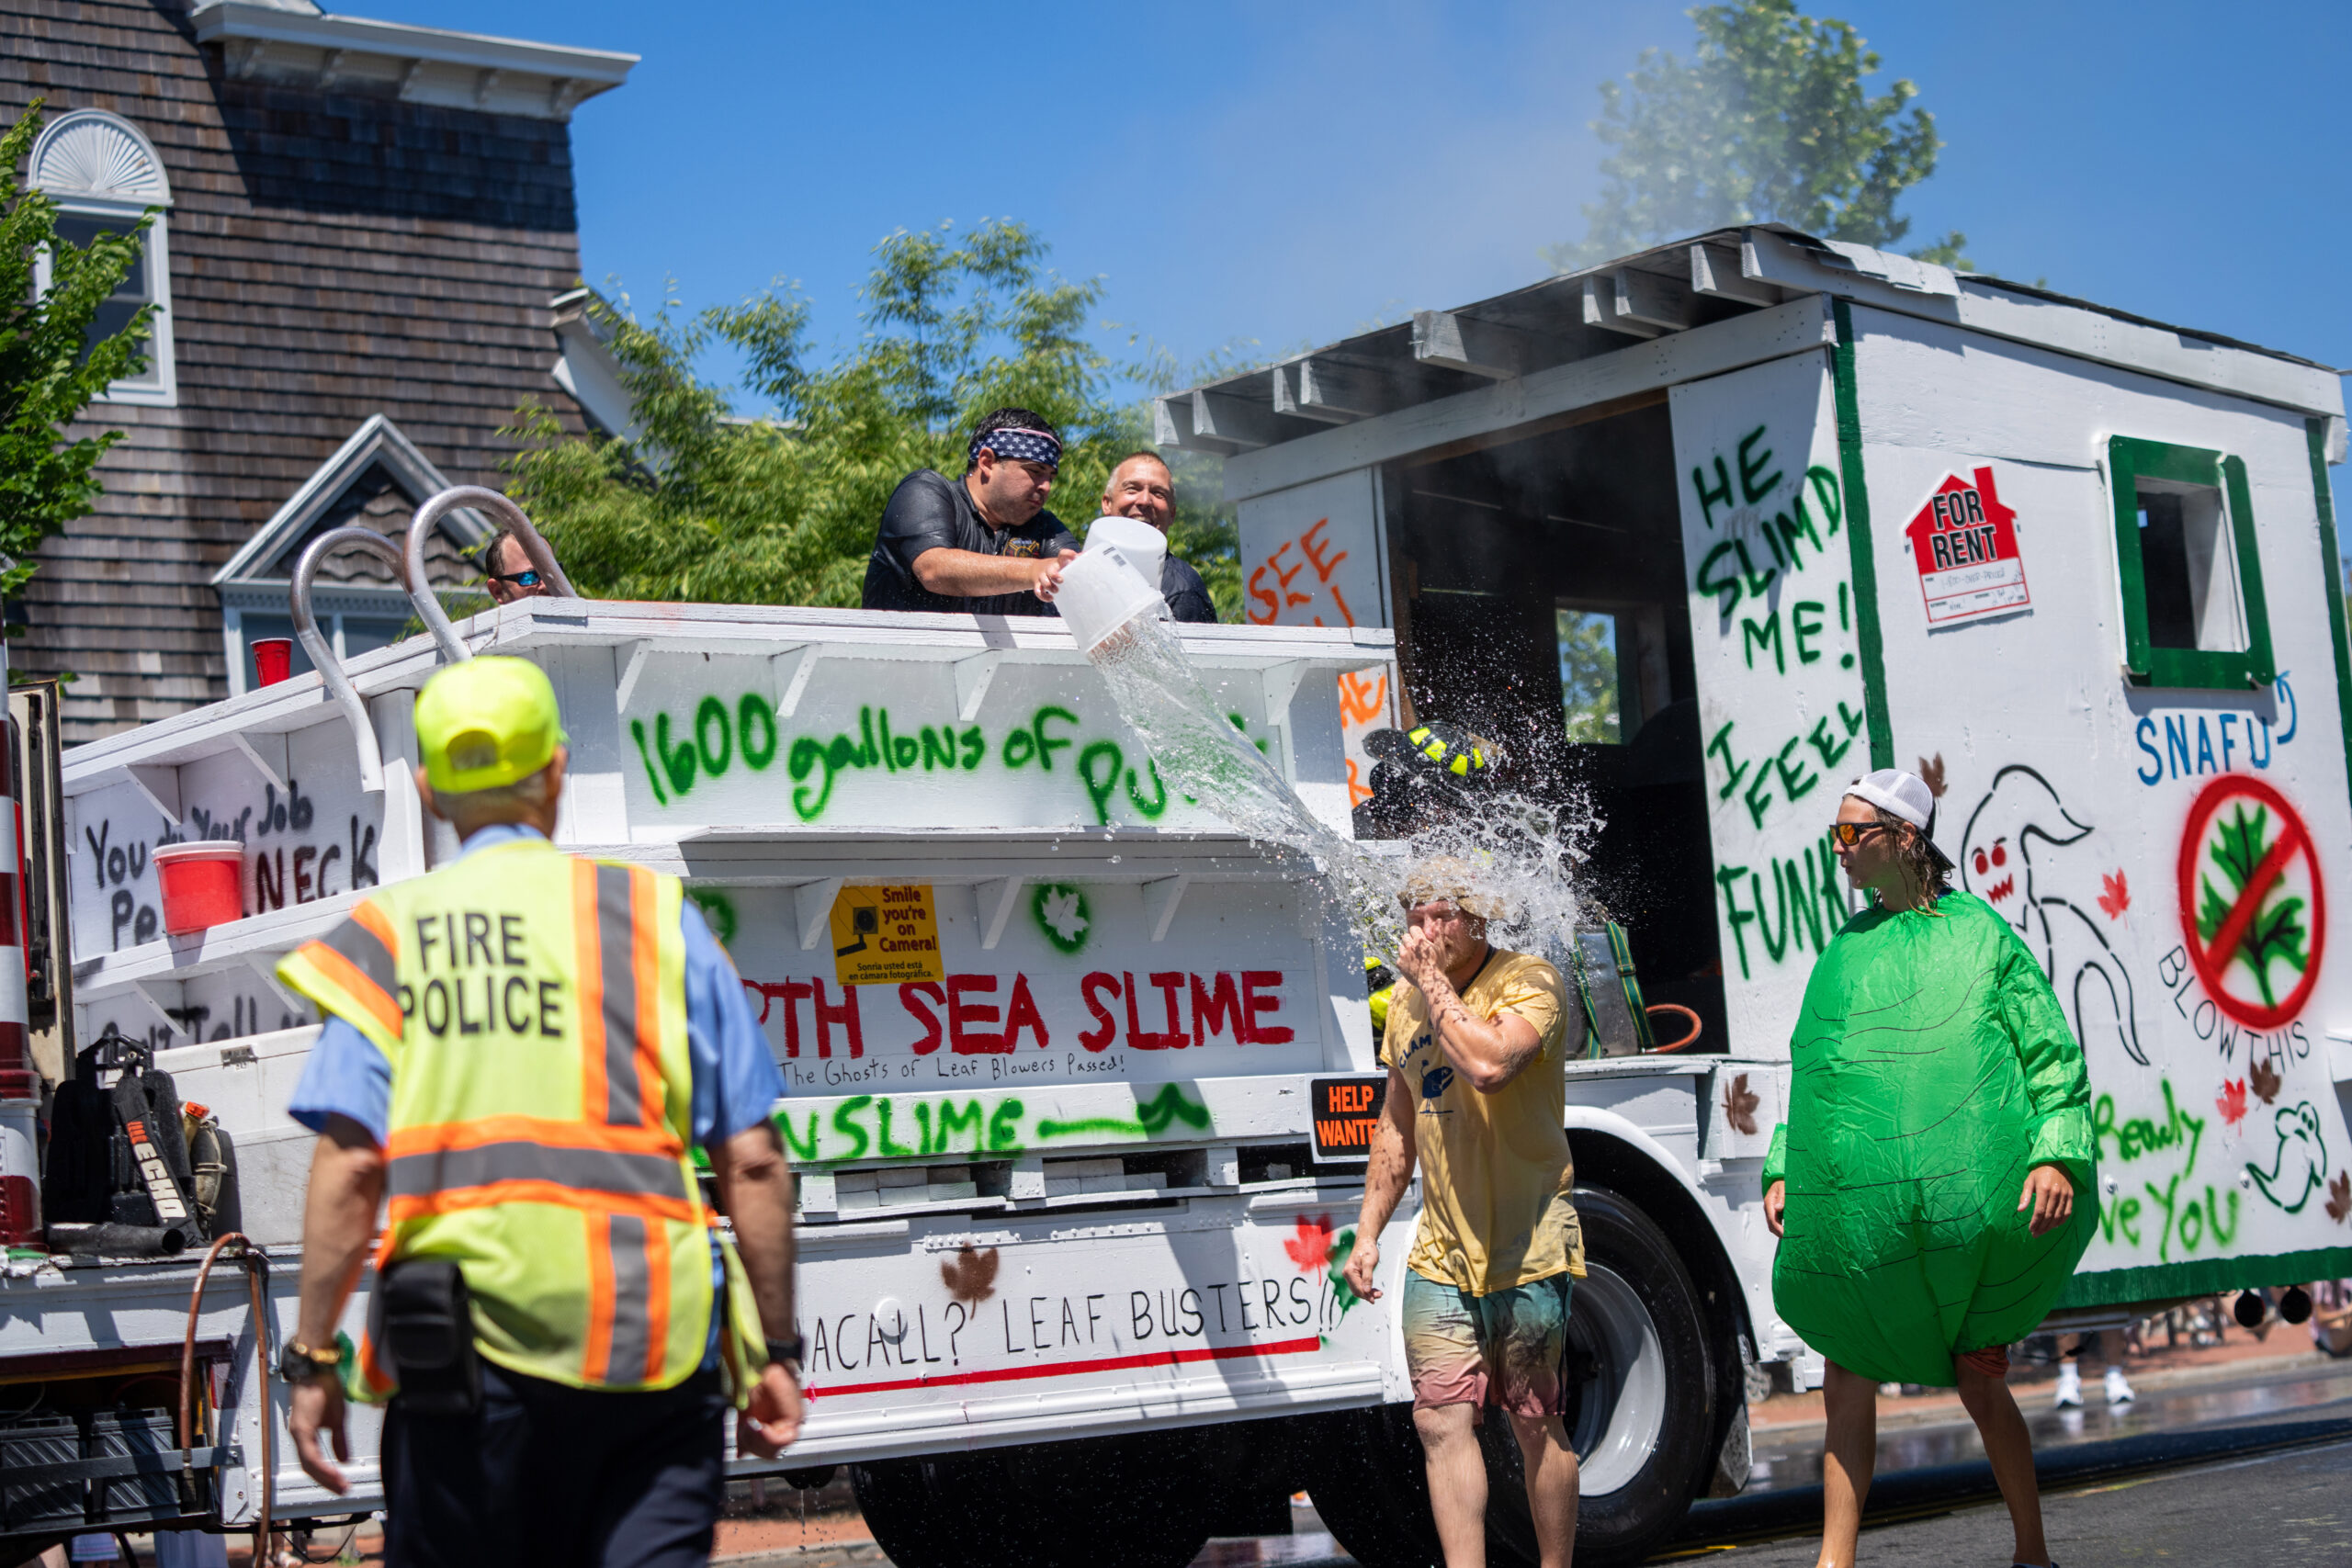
[(1640, 1414), (1642, 1423), (1131, 1502)]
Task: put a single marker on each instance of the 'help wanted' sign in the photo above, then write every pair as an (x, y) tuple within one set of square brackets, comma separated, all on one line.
[(1964, 544)]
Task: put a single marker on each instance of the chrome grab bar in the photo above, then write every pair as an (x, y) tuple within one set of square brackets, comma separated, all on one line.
[(483, 498), (322, 652)]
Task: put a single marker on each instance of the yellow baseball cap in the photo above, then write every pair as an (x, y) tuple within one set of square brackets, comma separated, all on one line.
[(486, 723)]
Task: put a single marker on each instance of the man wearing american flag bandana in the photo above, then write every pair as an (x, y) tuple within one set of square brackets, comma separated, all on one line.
[(983, 544)]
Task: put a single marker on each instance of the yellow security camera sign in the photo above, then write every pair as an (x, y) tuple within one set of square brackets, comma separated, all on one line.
[(884, 936)]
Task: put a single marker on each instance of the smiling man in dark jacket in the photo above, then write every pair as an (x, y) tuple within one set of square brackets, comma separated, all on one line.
[(1142, 487)]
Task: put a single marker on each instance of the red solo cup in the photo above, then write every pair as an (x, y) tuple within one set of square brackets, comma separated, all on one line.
[(273, 660), (202, 885)]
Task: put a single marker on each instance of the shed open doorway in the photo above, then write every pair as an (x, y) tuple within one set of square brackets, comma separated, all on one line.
[(1543, 606)]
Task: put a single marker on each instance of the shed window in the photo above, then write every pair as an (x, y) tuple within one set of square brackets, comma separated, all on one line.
[(1612, 669), (2193, 612)]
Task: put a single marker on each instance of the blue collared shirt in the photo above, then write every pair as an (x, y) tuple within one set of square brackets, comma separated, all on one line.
[(735, 1079)]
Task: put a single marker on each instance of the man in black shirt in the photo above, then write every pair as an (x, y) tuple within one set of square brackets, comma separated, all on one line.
[(1142, 487), (983, 544)]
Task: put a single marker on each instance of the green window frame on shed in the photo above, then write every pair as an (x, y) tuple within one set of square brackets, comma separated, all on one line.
[(2194, 614)]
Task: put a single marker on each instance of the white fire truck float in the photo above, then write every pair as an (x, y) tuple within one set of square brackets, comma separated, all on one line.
[(1079, 1078)]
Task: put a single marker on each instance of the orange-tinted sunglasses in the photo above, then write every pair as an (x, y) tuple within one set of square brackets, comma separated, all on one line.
[(1851, 834)]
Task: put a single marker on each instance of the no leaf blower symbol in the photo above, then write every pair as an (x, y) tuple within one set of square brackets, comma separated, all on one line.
[(865, 921), (2253, 912)]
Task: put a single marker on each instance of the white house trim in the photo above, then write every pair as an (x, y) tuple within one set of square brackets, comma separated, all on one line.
[(296, 41), (378, 441)]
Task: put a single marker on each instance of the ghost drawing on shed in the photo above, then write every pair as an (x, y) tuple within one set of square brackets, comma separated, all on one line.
[(2007, 859)]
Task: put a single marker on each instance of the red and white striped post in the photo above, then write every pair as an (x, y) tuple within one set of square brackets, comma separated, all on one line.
[(19, 1084)]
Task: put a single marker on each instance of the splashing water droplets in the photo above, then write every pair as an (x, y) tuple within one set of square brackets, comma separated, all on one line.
[(1520, 852)]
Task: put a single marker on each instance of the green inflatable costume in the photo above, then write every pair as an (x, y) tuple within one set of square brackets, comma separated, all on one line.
[(1933, 1070)]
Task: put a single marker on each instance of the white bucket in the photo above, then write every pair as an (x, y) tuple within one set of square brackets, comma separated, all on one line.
[(1114, 578)]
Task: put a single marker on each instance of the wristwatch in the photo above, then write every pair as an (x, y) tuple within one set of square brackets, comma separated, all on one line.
[(297, 1362), (786, 1350)]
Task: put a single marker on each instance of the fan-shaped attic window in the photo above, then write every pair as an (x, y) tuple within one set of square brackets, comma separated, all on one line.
[(103, 174)]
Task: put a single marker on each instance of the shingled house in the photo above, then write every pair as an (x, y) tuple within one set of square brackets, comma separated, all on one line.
[(366, 258)]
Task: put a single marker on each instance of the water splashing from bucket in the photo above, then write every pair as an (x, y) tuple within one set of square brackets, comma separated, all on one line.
[(1522, 852)]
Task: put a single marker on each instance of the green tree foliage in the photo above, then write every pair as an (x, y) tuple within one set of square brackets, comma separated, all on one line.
[(782, 509), (1767, 121), (50, 367)]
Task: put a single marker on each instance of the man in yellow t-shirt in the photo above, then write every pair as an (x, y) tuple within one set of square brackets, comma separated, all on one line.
[(1473, 1047)]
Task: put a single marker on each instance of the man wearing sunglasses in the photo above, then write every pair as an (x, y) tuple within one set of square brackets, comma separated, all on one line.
[(508, 573), (1474, 1046)]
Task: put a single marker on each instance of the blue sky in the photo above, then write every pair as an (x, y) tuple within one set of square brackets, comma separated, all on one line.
[(1281, 175)]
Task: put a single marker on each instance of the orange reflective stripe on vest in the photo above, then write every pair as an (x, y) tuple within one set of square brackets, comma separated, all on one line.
[(619, 980), (359, 960)]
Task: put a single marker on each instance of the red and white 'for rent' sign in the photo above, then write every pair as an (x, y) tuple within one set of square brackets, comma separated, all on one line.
[(1964, 544)]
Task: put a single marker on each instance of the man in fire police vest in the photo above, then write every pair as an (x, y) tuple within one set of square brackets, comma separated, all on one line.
[(523, 1048)]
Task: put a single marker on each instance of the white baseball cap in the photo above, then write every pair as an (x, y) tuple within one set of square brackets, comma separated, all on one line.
[(1904, 795)]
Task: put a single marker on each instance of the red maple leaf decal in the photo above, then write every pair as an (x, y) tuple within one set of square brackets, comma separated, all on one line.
[(2118, 897), (1311, 1246), (2232, 1105)]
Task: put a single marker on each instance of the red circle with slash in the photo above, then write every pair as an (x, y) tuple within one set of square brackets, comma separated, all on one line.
[(2212, 962)]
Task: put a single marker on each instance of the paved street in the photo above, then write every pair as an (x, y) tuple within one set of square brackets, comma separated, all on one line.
[(2282, 1509)]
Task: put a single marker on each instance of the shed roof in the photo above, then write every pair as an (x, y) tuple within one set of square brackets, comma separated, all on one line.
[(1672, 289)]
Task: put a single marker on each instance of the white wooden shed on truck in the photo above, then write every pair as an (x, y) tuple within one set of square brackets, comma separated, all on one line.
[(1836, 509)]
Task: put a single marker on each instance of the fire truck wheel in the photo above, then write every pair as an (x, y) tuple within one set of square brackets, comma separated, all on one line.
[(1639, 1414), (1100, 1502)]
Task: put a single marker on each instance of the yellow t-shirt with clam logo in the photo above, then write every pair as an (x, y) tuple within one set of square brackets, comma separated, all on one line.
[(1496, 1174)]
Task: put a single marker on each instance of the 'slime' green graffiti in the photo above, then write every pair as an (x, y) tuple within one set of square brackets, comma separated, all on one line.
[(1780, 533), (1805, 892), (2183, 1220), (924, 1126), (721, 735), (2139, 1135), (719, 909), (711, 747), (1062, 915), (1151, 1119)]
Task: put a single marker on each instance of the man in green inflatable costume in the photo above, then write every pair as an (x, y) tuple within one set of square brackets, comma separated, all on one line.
[(1933, 1186)]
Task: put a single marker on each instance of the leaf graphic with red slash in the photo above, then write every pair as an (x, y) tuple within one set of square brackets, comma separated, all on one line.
[(2232, 1105), (2117, 897), (2339, 1197), (1312, 1245), (2263, 1079)]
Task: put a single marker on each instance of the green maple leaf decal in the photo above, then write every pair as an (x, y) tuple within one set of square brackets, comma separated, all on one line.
[(2277, 933)]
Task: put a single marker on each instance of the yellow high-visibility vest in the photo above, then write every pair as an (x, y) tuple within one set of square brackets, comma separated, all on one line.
[(533, 1008)]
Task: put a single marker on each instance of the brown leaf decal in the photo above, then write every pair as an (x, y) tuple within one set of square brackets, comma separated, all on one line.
[(1739, 1105), (1931, 773), (2339, 1197), (2263, 1079), (970, 1276)]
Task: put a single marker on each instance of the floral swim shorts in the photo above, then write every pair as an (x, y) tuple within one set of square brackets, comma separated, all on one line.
[(1504, 1348)]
